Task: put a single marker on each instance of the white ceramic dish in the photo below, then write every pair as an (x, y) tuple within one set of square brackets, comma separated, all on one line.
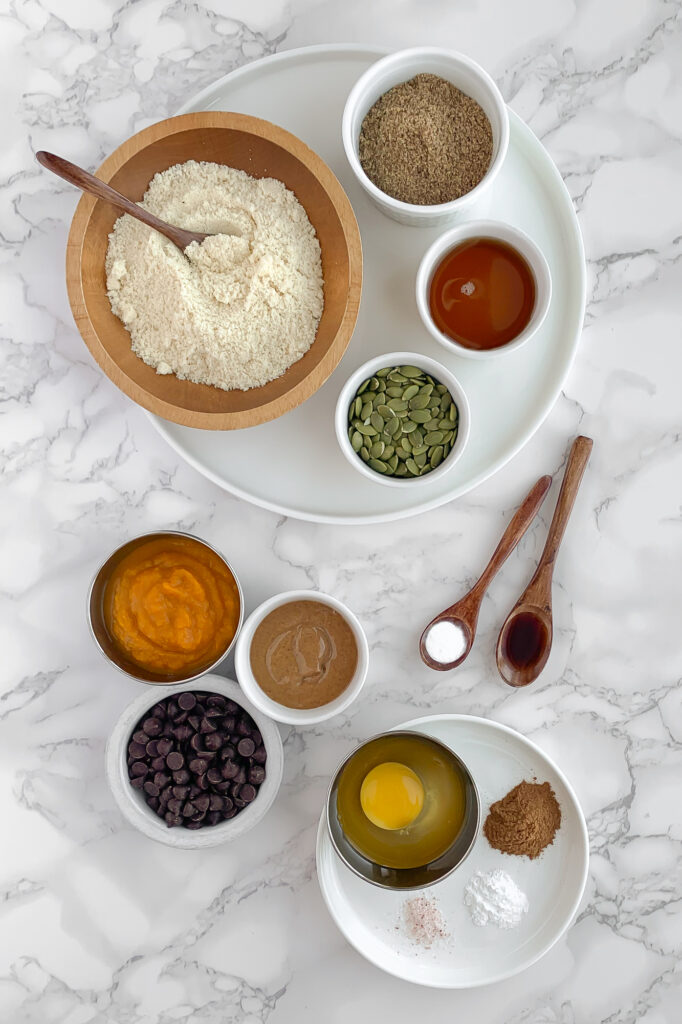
[(466, 75), (271, 708), (435, 370), (294, 466), (513, 237), (131, 802), (498, 758)]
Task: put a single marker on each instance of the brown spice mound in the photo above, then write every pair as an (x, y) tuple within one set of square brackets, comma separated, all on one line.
[(426, 142), (525, 821)]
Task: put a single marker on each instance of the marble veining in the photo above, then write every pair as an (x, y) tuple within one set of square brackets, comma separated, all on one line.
[(97, 924)]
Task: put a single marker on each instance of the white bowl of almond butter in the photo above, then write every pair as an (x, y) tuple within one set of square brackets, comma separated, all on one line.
[(302, 657), (425, 132)]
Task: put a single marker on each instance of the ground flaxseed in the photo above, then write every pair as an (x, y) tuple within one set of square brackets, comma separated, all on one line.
[(425, 142), (525, 821)]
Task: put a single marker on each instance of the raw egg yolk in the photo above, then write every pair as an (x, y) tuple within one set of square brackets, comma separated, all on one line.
[(391, 795)]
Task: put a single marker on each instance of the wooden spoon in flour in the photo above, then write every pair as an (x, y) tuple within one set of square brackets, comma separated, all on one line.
[(95, 187)]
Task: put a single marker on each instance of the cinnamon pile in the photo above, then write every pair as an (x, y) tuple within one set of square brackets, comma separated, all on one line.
[(525, 821)]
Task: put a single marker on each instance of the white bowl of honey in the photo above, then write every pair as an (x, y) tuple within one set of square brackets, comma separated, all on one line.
[(483, 289)]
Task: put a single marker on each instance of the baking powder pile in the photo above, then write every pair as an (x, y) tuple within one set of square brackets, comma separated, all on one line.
[(235, 311), (495, 898)]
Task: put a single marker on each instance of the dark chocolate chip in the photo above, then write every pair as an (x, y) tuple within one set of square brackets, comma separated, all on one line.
[(213, 712), (256, 774), (214, 741), (151, 789), (180, 792), (136, 750), (138, 768), (182, 777), (215, 700), (174, 805), (152, 726), (175, 760), (172, 819), (241, 774), (231, 707), (165, 746), (260, 755), (246, 746), (229, 814), (216, 802), (183, 732), (243, 727), (201, 802), (159, 710), (202, 782), (207, 726), (161, 779), (194, 722), (198, 766), (187, 701), (214, 775), (152, 748), (194, 825), (256, 737), (230, 770), (188, 809), (247, 793), (196, 742), (228, 723), (137, 782), (213, 817), (153, 802), (172, 709), (228, 752), (141, 737), (158, 764)]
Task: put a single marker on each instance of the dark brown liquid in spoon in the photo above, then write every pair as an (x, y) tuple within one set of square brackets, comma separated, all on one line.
[(525, 641)]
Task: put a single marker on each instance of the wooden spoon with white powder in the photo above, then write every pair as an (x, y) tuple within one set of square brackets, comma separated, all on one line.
[(95, 187)]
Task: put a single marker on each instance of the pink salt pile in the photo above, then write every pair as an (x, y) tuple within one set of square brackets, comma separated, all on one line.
[(422, 921)]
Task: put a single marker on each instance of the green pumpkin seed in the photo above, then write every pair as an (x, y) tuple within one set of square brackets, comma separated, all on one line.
[(365, 411), (436, 456), (356, 440), (393, 463), (383, 410), (431, 425), (452, 412), (389, 449), (411, 371), (397, 377), (412, 467), (364, 454), (408, 427), (441, 389), (420, 449), (357, 405), (363, 387), (377, 449), (402, 453), (366, 429), (420, 415), (417, 437), (383, 372), (433, 438), (397, 404), (427, 389), (445, 424), (377, 422), (406, 444), (419, 402), (394, 392), (378, 467), (393, 426), (420, 459), (401, 470), (410, 391)]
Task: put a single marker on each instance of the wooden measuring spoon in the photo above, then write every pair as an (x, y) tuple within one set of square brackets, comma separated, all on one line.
[(100, 190), (525, 639), (464, 613)]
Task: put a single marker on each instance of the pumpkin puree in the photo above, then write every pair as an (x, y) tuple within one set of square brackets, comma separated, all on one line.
[(172, 606)]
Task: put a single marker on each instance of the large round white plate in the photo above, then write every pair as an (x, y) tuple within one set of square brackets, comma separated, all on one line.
[(293, 465), (369, 918)]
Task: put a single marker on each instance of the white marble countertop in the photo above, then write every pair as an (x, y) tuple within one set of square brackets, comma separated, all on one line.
[(100, 925)]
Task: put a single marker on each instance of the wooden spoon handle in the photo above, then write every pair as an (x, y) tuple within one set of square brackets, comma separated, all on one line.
[(519, 523), (87, 182), (539, 586)]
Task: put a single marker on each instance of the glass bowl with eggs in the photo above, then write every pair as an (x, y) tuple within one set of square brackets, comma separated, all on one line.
[(403, 810)]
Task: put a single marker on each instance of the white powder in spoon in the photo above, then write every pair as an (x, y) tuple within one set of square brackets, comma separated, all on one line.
[(445, 642), (495, 898)]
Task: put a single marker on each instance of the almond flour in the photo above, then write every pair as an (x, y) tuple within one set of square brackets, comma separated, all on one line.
[(235, 311)]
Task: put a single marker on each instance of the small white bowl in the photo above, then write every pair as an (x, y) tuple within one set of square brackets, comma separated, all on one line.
[(466, 75), (281, 713), (131, 802), (518, 240), (435, 370)]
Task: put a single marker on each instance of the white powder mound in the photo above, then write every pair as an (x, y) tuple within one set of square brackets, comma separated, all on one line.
[(235, 311), (495, 898)]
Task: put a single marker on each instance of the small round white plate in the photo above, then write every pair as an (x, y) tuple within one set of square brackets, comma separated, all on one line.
[(293, 465), (370, 918)]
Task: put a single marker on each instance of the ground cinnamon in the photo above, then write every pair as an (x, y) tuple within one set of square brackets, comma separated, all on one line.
[(525, 821)]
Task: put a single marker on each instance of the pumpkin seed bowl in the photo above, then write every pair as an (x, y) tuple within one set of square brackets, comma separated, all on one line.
[(402, 419)]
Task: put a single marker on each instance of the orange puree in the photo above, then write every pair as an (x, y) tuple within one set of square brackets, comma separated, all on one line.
[(172, 606)]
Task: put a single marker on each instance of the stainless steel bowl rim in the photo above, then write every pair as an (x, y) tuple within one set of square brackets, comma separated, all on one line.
[(421, 735), (204, 671)]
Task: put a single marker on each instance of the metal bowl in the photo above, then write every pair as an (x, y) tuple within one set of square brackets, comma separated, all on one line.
[(100, 633), (407, 878)]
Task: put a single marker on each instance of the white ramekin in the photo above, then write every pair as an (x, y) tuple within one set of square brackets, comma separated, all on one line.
[(435, 370), (131, 802), (466, 75), (247, 680), (518, 240)]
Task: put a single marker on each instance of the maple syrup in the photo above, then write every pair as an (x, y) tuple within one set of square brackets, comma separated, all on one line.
[(482, 294)]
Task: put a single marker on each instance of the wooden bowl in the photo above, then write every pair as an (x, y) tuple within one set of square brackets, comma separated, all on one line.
[(262, 150)]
